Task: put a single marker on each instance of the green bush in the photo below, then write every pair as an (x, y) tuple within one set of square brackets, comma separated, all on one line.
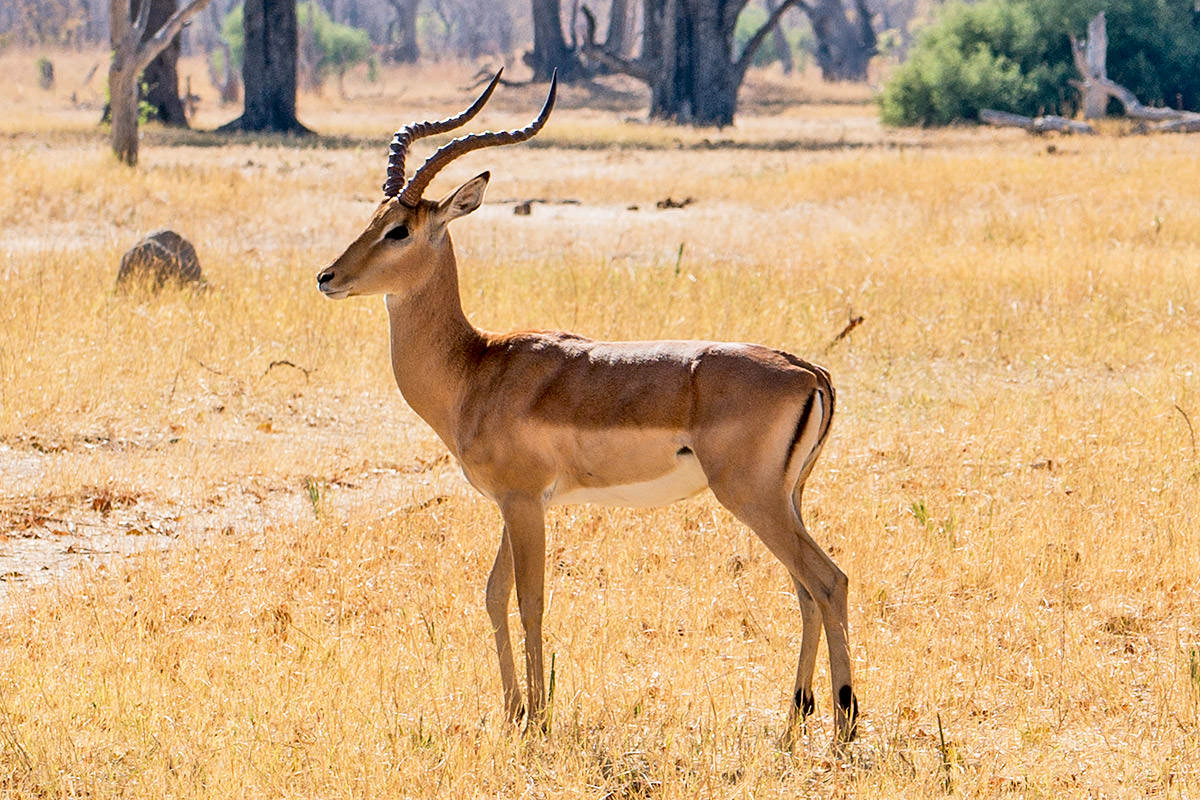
[(994, 54), (1015, 55), (336, 46)]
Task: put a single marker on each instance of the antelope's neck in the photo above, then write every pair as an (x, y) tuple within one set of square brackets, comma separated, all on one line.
[(433, 347)]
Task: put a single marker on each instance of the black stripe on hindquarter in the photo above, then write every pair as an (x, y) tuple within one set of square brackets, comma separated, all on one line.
[(800, 426)]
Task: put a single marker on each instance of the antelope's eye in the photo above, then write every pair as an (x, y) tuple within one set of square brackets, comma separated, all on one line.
[(397, 233)]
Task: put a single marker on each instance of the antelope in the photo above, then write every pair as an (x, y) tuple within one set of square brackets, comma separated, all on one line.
[(537, 418)]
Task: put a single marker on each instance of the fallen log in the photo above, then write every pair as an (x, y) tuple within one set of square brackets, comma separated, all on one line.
[(1043, 124), (1183, 125)]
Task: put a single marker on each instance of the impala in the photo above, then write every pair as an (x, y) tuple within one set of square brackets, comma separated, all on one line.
[(537, 418)]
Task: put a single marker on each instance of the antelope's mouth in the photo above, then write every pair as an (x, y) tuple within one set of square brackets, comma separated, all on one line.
[(325, 284), (335, 294)]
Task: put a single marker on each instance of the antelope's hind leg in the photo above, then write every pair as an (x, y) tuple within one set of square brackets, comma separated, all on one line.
[(781, 529)]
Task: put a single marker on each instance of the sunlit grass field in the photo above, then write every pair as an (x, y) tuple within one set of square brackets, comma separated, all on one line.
[(1012, 483)]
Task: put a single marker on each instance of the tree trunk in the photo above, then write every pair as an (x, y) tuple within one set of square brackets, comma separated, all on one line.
[(617, 38), (550, 50), (698, 76), (133, 50), (687, 57), (844, 45), (1095, 60), (269, 69), (403, 48), (783, 50), (161, 78), (123, 105)]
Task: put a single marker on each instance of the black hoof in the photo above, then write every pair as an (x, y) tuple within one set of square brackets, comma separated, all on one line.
[(805, 703), (849, 704)]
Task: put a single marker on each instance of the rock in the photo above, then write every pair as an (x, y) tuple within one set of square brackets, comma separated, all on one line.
[(160, 258)]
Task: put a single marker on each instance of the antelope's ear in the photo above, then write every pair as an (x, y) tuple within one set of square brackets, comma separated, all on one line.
[(464, 199)]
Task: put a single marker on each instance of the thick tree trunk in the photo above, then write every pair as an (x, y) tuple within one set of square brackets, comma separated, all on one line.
[(844, 45), (550, 50), (617, 39), (269, 69), (403, 48), (693, 81), (687, 57), (698, 75), (161, 77)]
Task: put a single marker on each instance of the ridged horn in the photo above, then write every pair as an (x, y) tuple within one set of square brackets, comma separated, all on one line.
[(419, 130), (474, 141)]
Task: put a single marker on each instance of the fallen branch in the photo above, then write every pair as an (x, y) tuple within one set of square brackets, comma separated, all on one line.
[(853, 323), (485, 76), (286, 363), (436, 500), (1043, 124), (1191, 430), (640, 69)]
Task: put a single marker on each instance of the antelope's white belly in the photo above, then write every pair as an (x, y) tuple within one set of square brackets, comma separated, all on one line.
[(684, 480)]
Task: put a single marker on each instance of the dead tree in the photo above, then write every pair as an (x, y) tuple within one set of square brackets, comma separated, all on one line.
[(1091, 61), (133, 50)]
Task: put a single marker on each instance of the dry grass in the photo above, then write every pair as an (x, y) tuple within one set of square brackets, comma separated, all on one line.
[(1013, 483)]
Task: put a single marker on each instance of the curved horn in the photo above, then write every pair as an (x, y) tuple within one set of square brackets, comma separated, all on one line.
[(465, 144), (418, 130)]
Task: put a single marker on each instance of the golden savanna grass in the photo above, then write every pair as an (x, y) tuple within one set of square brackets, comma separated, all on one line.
[(1012, 483)]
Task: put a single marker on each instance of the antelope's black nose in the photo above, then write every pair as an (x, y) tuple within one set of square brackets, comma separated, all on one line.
[(324, 278)]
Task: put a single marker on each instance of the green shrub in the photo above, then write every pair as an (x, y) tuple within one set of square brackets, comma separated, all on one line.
[(1015, 55), (994, 54)]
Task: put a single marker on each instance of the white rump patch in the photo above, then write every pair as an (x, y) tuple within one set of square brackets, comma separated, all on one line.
[(685, 480), (812, 430)]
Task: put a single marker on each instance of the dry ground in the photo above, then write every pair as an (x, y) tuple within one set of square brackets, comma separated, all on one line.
[(1013, 481)]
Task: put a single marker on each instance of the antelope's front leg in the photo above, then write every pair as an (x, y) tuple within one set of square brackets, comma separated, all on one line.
[(499, 588), (525, 526)]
